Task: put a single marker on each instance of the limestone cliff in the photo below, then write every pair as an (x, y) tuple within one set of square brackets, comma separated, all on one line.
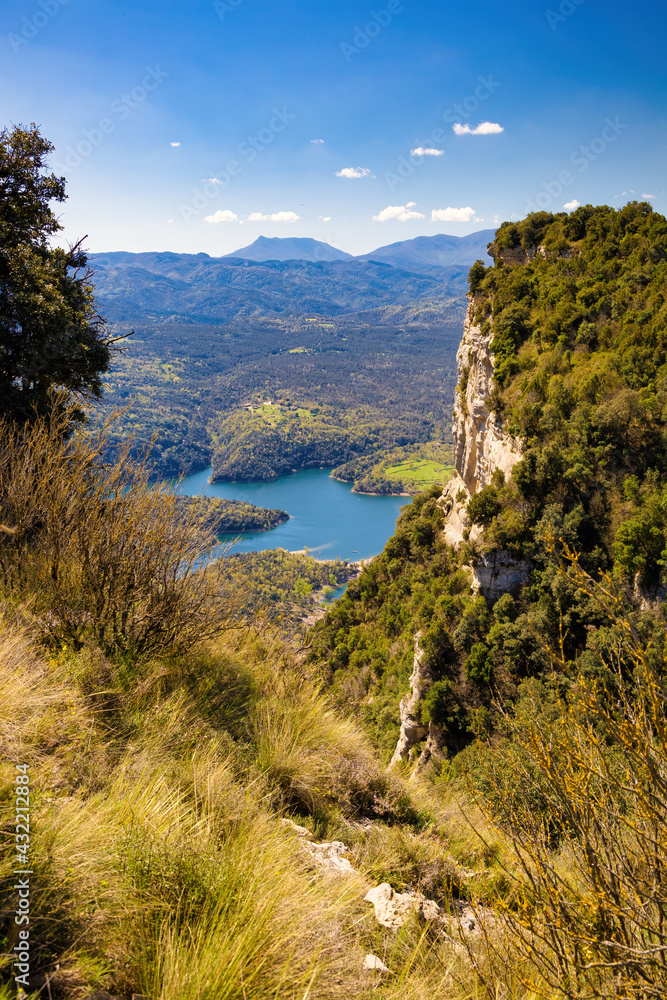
[(413, 730), (481, 444)]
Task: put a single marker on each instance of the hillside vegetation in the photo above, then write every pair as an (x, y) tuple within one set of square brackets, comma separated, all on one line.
[(181, 384), (228, 516), (401, 471), (274, 440), (201, 807), (161, 774), (163, 740), (581, 374)]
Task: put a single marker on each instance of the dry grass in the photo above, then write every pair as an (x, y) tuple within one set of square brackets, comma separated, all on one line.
[(96, 550), (583, 799), (163, 750), (163, 870)]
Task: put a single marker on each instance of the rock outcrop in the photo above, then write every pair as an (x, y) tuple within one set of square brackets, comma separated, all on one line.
[(393, 909), (497, 573), (412, 729), (481, 444), (331, 856), (455, 923)]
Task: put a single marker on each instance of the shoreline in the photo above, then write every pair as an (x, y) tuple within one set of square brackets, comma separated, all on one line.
[(368, 493), (356, 565), (241, 482)]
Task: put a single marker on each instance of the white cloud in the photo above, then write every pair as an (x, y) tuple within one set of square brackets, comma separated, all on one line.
[(169, 221), (453, 214), (212, 180), (648, 196), (274, 217), (318, 142), (351, 172), (570, 206), (325, 218), (222, 216), (403, 213), (485, 128), (428, 151), (174, 143)]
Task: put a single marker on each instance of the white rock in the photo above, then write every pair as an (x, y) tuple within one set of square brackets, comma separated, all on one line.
[(393, 909), (412, 730), (372, 962), (497, 573), (330, 856)]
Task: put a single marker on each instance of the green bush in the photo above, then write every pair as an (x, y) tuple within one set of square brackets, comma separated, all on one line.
[(479, 665)]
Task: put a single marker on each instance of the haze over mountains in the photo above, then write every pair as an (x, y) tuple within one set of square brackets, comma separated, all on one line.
[(284, 276), (435, 251), (290, 248), (424, 251)]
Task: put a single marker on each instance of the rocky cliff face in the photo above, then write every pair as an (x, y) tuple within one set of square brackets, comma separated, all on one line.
[(481, 444), (413, 731)]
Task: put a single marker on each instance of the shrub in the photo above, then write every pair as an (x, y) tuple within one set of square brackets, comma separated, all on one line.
[(476, 275), (588, 776), (479, 665), (483, 506), (97, 549)]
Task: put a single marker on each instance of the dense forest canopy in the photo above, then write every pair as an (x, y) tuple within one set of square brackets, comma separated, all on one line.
[(577, 308), (195, 393), (581, 374)]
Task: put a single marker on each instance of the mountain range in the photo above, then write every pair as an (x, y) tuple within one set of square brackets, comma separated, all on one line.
[(424, 251), (267, 279)]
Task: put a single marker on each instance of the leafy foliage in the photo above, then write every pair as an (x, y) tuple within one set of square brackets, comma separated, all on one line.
[(274, 441), (97, 550), (282, 587), (579, 784), (50, 333), (581, 368), (592, 408)]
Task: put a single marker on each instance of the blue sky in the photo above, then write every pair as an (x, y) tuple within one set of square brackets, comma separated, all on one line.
[(166, 114)]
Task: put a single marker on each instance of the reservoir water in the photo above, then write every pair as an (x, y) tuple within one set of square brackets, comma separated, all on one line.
[(327, 517)]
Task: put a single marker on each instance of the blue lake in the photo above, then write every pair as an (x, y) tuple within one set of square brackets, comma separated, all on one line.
[(327, 517)]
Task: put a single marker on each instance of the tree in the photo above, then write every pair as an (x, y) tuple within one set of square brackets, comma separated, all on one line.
[(51, 336), (483, 507), (476, 275)]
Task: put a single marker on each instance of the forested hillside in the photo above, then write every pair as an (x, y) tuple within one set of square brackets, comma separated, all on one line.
[(187, 383), (576, 305), (202, 289)]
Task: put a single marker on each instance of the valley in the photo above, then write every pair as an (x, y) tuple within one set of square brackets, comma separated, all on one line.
[(333, 545), (338, 361)]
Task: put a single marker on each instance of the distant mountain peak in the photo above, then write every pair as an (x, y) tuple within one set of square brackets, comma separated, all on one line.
[(440, 250), (290, 248)]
